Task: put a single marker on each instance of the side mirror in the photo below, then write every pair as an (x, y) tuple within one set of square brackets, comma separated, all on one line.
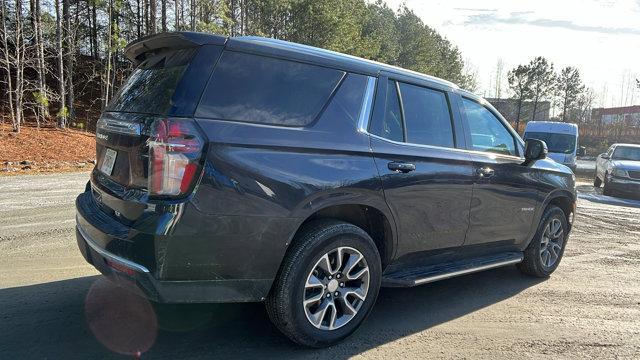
[(604, 156), (534, 149), (582, 151)]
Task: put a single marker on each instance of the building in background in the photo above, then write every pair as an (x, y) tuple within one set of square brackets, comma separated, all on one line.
[(509, 109), (627, 116)]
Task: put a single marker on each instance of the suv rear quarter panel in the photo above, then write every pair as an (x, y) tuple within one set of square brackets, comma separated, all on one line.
[(259, 184)]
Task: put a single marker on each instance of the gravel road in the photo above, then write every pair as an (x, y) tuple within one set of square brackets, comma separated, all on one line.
[(54, 306)]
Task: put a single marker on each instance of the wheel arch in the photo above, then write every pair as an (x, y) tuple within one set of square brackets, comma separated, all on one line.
[(563, 199), (374, 220)]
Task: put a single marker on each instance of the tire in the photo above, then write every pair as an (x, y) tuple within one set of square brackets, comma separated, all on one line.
[(606, 190), (597, 182), (534, 261), (285, 301)]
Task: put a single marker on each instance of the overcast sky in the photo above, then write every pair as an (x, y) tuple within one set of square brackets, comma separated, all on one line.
[(600, 37)]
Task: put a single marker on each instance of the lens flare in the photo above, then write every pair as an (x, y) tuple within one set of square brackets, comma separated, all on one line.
[(120, 320)]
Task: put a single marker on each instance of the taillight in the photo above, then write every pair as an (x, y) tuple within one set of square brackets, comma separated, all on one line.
[(175, 148)]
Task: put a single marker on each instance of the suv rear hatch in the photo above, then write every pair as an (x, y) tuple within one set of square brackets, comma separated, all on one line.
[(146, 142)]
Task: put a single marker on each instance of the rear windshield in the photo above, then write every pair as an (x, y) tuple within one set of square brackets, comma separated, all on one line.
[(265, 90), (556, 143), (151, 85)]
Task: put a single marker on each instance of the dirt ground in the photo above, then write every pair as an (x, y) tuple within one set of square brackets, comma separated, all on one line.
[(45, 150), (53, 305)]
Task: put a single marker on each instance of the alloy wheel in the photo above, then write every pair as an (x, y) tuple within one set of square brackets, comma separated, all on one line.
[(551, 244), (336, 288)]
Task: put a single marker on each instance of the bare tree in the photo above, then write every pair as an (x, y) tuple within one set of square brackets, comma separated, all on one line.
[(42, 93), (94, 29), (584, 106), (520, 85), (498, 83), (139, 18), (62, 112), (470, 77), (543, 81), (19, 58), (69, 56), (6, 63), (627, 88), (145, 15), (570, 88), (164, 15), (152, 17), (107, 77), (178, 4), (192, 13)]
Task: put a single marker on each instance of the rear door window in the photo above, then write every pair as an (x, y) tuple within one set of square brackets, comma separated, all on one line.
[(150, 88), (259, 89), (415, 115), (426, 116)]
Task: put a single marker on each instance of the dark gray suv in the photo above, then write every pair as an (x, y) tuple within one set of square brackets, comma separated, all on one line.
[(251, 169)]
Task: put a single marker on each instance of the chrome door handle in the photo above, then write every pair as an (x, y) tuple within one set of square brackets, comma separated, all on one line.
[(401, 167), (485, 172)]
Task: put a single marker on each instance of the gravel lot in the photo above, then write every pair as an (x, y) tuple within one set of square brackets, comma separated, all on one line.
[(53, 305)]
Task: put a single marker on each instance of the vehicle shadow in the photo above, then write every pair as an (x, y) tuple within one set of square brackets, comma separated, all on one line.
[(92, 318)]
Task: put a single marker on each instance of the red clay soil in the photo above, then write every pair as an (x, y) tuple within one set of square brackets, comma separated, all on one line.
[(46, 150)]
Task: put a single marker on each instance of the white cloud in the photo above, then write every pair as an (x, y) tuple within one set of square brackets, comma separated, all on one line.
[(600, 37)]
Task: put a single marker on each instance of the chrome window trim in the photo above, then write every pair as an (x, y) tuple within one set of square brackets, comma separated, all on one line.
[(367, 105), (108, 255), (434, 147), (365, 117)]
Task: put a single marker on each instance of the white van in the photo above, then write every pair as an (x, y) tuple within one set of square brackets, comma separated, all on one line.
[(561, 139)]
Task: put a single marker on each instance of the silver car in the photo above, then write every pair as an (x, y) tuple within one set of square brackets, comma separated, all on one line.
[(619, 170)]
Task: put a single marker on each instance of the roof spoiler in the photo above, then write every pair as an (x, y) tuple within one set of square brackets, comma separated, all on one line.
[(137, 50)]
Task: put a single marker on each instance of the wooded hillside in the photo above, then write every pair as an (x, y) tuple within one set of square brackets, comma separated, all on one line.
[(62, 60)]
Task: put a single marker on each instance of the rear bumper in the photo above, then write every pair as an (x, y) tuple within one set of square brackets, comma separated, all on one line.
[(137, 256), (139, 279)]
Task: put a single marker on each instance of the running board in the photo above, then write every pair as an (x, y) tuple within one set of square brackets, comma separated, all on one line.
[(427, 274)]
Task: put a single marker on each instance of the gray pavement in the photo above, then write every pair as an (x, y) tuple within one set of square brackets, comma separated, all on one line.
[(55, 306)]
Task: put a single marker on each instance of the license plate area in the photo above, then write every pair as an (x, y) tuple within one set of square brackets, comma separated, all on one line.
[(108, 161)]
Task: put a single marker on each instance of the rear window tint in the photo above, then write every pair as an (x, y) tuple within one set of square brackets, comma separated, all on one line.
[(150, 87), (390, 126), (426, 116), (347, 102), (265, 90)]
